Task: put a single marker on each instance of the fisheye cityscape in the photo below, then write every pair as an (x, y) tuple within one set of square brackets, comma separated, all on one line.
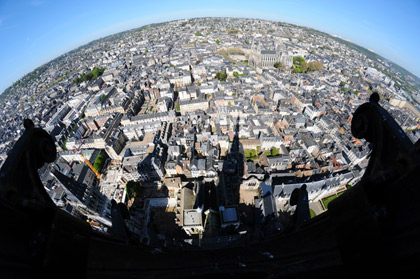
[(203, 129)]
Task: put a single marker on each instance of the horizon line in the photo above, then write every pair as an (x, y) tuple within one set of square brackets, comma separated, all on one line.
[(189, 18)]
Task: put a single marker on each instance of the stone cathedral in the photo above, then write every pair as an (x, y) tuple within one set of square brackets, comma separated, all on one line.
[(267, 58)]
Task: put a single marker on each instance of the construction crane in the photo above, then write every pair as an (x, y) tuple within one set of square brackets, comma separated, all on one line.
[(68, 168), (98, 175)]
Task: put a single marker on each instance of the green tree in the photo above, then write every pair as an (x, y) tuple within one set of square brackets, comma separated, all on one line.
[(251, 154), (217, 41), (279, 65), (299, 64), (304, 67), (97, 72), (99, 162), (222, 76), (274, 151), (297, 69), (198, 34), (133, 189), (314, 66), (64, 145), (90, 75), (297, 60)]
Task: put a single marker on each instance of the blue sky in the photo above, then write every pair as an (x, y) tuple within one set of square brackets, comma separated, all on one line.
[(33, 32)]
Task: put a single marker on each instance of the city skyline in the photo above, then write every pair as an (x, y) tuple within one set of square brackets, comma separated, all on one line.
[(50, 29)]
